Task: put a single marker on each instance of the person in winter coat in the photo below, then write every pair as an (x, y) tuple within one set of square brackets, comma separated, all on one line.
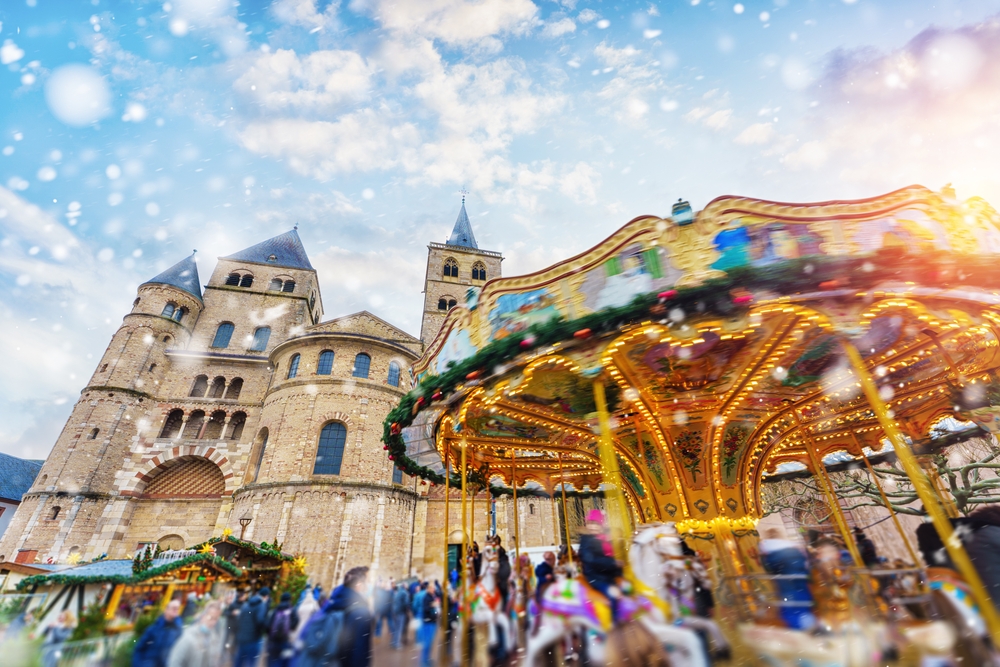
[(190, 608), (869, 554), (781, 556), (383, 606), (281, 625), (429, 606), (153, 648), (600, 567), (400, 603), (503, 571), (56, 635), (984, 547), (356, 636), (545, 574), (307, 607), (230, 622), (250, 629), (200, 645)]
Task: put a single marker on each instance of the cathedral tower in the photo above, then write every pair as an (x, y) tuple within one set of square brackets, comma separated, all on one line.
[(454, 267)]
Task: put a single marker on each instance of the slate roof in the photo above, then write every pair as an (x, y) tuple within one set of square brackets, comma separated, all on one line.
[(462, 234), (286, 248), (17, 476), (183, 275)]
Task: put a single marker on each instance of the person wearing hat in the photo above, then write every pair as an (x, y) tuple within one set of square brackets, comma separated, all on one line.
[(250, 628), (600, 567), (281, 625)]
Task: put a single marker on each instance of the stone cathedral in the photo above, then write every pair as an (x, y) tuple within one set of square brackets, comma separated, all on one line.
[(237, 400)]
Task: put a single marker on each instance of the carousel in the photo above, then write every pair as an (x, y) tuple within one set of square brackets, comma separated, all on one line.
[(676, 365)]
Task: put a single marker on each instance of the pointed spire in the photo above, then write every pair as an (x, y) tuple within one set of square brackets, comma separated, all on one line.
[(462, 234), (182, 275), (283, 250)]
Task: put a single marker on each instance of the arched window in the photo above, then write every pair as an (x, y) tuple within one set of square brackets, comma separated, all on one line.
[(442, 304), (293, 367), (199, 387), (362, 364), (312, 300), (218, 387), (275, 284), (104, 367), (272, 258), (172, 425), (179, 314), (223, 334), (236, 425), (289, 286), (168, 310), (325, 365), (194, 424), (531, 509), (330, 453), (152, 367), (479, 271), (393, 378), (233, 279), (136, 302), (260, 337), (93, 434), (450, 268), (246, 280), (397, 475), (260, 445), (167, 339), (213, 429), (235, 387), (55, 513), (452, 303)]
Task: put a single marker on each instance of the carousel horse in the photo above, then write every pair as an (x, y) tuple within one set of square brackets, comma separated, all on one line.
[(570, 607), (521, 593), (488, 616), (658, 560)]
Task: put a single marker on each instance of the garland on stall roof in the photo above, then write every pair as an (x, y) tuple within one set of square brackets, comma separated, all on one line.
[(725, 296), (151, 573), (264, 549)]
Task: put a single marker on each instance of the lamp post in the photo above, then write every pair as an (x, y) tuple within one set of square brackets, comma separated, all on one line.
[(244, 522)]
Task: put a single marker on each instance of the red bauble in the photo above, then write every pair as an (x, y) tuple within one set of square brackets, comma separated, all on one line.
[(582, 333), (669, 294)]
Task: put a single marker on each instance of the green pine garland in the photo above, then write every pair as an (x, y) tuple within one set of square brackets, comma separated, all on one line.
[(263, 549), (151, 573), (713, 297)]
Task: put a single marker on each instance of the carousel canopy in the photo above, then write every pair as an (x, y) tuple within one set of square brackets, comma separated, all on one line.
[(719, 341)]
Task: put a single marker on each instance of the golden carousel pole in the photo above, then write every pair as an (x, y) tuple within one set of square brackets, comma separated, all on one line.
[(819, 469), (513, 484), (562, 487), (612, 475), (892, 512), (927, 495), (464, 625), (444, 658)]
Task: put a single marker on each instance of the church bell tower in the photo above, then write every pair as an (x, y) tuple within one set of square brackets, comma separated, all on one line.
[(453, 268)]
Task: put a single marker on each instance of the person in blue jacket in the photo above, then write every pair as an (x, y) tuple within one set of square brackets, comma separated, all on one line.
[(781, 556), (356, 636), (250, 628), (153, 647)]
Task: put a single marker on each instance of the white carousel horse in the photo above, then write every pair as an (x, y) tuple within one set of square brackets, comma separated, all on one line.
[(658, 560), (487, 609), (570, 607)]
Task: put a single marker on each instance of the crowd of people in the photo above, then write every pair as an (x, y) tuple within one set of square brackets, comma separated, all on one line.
[(246, 629)]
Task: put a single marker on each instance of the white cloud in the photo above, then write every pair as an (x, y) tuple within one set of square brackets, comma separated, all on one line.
[(317, 81), (456, 22), (361, 141), (10, 52), (719, 120), (811, 155), (758, 133), (216, 19), (558, 28), (587, 16), (304, 13), (581, 184)]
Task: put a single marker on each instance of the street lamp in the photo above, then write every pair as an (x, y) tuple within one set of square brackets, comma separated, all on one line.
[(244, 522)]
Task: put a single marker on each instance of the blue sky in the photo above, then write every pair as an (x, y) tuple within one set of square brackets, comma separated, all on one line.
[(132, 133)]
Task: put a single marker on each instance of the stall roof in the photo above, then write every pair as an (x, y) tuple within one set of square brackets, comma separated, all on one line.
[(120, 571)]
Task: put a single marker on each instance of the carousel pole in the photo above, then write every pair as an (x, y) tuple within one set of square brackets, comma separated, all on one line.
[(831, 495), (612, 474), (928, 497), (892, 512), (513, 484), (562, 487), (445, 656), (464, 625)]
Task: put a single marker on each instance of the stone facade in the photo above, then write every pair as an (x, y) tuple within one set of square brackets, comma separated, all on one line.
[(441, 290)]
